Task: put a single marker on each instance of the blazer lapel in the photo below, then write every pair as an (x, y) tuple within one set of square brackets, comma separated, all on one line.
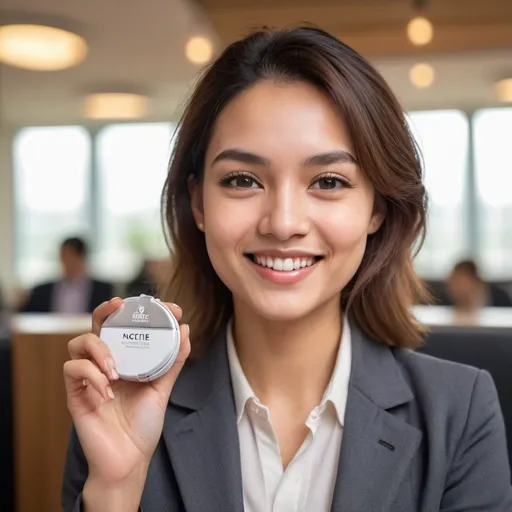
[(377, 446), (203, 444)]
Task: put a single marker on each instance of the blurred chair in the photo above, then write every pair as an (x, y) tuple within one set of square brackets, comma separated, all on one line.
[(485, 348)]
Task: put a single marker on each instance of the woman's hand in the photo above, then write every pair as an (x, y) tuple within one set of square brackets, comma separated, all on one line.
[(118, 422)]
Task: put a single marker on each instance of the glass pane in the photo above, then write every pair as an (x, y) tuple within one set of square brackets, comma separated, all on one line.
[(443, 137), (52, 172), (132, 167), (493, 168)]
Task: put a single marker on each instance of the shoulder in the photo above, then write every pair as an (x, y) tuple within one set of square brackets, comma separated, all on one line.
[(43, 287), (433, 372), (101, 284), (445, 389)]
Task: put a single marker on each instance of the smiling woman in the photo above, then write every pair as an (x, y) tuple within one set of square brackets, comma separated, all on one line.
[(293, 200)]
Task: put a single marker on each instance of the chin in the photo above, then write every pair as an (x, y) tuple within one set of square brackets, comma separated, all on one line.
[(282, 307)]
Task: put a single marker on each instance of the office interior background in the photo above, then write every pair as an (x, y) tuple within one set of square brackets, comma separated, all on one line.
[(86, 131), (75, 163)]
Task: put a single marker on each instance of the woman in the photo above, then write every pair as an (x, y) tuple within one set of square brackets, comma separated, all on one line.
[(293, 200)]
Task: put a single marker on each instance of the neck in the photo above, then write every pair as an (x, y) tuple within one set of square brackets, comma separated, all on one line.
[(75, 276), (290, 361)]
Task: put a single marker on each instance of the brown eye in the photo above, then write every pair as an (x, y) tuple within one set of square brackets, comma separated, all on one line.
[(328, 183), (242, 182), (239, 181)]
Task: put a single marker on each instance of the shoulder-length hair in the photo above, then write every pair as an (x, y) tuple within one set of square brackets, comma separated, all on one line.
[(380, 296)]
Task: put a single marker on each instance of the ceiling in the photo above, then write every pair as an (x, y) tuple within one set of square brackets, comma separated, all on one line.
[(133, 43), (141, 45)]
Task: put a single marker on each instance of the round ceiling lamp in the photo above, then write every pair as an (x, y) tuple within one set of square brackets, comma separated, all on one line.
[(40, 47), (420, 31), (115, 105), (422, 75), (199, 50), (503, 90)]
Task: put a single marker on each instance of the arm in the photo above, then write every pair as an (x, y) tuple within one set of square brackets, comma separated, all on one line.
[(83, 494), (38, 300), (479, 477), (75, 475)]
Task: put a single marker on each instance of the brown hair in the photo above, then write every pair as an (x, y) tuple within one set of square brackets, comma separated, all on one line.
[(385, 286)]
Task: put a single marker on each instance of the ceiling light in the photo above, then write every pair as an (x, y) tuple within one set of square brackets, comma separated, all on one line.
[(115, 105), (422, 75), (199, 50), (503, 90), (420, 31), (40, 48)]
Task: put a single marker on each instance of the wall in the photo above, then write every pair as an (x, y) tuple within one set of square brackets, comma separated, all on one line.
[(7, 278)]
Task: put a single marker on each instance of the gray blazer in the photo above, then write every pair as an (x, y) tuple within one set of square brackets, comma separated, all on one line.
[(420, 435)]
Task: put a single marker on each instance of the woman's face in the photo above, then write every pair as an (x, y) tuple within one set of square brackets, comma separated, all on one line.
[(285, 208)]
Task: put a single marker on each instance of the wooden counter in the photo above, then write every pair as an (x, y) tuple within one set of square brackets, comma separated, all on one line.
[(41, 420)]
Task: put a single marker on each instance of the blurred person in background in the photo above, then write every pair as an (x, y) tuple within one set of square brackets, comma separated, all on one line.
[(76, 292), (294, 200), (145, 282), (467, 292), (151, 278)]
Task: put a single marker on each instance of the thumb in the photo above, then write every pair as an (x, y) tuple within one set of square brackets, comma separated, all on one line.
[(164, 384)]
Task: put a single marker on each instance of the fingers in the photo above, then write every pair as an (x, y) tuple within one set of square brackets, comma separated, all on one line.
[(78, 374), (176, 310), (100, 314), (89, 346), (165, 383)]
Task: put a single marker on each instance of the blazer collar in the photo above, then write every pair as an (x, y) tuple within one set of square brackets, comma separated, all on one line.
[(199, 381), (201, 432), (375, 372)]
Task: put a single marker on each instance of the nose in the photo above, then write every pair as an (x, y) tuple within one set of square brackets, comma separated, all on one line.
[(285, 213)]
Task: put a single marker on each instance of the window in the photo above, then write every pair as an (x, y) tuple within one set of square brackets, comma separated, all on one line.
[(443, 137), (493, 173), (132, 168), (51, 166)]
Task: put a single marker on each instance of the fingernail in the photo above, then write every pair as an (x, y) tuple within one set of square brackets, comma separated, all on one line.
[(109, 364), (114, 374), (110, 393), (175, 305), (114, 298)]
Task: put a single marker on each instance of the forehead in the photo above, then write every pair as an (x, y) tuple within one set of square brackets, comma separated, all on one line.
[(293, 119)]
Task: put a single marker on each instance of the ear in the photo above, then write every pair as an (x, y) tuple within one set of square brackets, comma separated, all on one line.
[(375, 223), (378, 215), (196, 201)]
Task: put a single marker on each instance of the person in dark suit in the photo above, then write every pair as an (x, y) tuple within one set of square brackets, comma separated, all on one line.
[(76, 292), (466, 291), (294, 200)]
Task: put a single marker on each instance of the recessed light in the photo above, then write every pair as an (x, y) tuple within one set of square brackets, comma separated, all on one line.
[(115, 105), (199, 50), (40, 48), (420, 31), (422, 75)]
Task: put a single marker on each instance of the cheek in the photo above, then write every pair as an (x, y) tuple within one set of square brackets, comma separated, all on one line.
[(346, 226), (228, 223)]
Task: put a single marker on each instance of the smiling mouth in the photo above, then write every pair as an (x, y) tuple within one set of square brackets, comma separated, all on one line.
[(284, 264)]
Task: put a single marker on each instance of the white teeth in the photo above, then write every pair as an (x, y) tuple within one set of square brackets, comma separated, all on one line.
[(284, 265), (288, 264)]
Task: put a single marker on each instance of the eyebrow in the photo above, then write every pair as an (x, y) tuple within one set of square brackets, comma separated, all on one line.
[(246, 157)]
